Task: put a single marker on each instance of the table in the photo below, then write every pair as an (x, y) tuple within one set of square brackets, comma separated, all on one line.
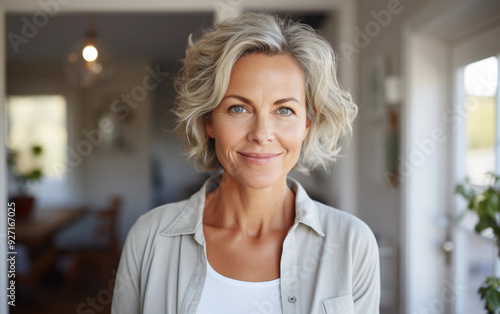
[(37, 233), (40, 228)]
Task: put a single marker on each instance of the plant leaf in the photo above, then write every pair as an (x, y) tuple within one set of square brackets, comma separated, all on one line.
[(36, 150), (490, 294), (492, 298), (482, 224)]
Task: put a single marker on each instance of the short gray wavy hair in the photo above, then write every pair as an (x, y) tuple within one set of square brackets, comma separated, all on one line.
[(203, 80)]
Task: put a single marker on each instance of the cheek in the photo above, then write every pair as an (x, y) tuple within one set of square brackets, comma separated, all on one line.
[(226, 134), (293, 136), (296, 129)]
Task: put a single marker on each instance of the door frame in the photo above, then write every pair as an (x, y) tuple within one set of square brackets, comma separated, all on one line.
[(427, 198), (424, 149), (464, 54)]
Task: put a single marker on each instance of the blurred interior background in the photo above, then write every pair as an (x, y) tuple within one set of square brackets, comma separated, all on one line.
[(86, 116)]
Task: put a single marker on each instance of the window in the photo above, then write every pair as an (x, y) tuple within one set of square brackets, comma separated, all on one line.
[(38, 120), (480, 82), (479, 138)]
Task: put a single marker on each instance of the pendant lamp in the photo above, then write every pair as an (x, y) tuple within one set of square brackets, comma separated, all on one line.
[(89, 61)]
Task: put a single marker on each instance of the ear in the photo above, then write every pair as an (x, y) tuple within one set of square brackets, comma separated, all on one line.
[(209, 127), (309, 122), (308, 127)]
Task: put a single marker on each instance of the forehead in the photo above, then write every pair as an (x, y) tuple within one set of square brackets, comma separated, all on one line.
[(260, 71)]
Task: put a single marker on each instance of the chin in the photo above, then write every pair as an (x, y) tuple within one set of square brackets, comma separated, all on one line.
[(258, 180)]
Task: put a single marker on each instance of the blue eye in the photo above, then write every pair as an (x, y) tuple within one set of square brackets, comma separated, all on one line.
[(285, 111), (237, 109)]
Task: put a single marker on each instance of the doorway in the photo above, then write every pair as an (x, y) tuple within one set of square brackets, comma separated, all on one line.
[(476, 150), (433, 279)]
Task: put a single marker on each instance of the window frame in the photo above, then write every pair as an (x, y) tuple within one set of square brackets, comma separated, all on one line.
[(31, 79), (464, 54)]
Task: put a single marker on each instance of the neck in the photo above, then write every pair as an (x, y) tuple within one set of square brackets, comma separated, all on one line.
[(253, 212)]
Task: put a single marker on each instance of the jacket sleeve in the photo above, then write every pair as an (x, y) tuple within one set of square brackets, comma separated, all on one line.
[(366, 281), (127, 292)]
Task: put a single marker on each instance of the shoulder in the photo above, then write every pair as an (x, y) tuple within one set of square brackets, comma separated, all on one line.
[(336, 225), (150, 224), (163, 215), (341, 221), (351, 230), (173, 219)]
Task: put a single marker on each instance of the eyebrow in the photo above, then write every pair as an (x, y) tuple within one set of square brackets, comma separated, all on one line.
[(277, 102)]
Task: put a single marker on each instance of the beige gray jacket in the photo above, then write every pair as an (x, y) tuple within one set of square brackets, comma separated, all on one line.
[(329, 262)]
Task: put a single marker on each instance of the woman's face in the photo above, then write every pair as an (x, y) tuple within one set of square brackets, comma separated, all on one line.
[(262, 120)]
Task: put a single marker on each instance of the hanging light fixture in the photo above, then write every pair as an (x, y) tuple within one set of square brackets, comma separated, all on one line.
[(88, 61)]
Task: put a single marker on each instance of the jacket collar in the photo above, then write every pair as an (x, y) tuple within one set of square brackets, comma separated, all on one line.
[(190, 221)]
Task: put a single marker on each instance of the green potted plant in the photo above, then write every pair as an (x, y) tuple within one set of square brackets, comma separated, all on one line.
[(23, 178), (486, 205)]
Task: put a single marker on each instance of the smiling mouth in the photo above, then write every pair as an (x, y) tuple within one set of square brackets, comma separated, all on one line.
[(258, 158)]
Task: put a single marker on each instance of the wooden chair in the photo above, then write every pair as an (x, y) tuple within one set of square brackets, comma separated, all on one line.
[(103, 254)]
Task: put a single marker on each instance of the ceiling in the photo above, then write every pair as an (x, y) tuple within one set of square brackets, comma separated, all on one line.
[(156, 36), (459, 21)]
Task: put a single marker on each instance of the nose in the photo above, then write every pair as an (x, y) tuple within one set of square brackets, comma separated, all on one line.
[(261, 130)]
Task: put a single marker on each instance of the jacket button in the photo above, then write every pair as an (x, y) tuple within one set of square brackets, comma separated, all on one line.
[(292, 299)]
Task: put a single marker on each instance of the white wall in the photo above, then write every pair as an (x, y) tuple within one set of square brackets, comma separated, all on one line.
[(425, 167), (379, 203), (175, 177), (345, 172), (125, 172)]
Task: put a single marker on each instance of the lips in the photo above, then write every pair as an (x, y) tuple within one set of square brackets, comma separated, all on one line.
[(258, 158)]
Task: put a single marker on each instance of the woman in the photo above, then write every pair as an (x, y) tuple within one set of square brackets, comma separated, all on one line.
[(257, 96)]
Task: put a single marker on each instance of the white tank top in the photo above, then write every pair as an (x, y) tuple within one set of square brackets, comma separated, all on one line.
[(223, 295)]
